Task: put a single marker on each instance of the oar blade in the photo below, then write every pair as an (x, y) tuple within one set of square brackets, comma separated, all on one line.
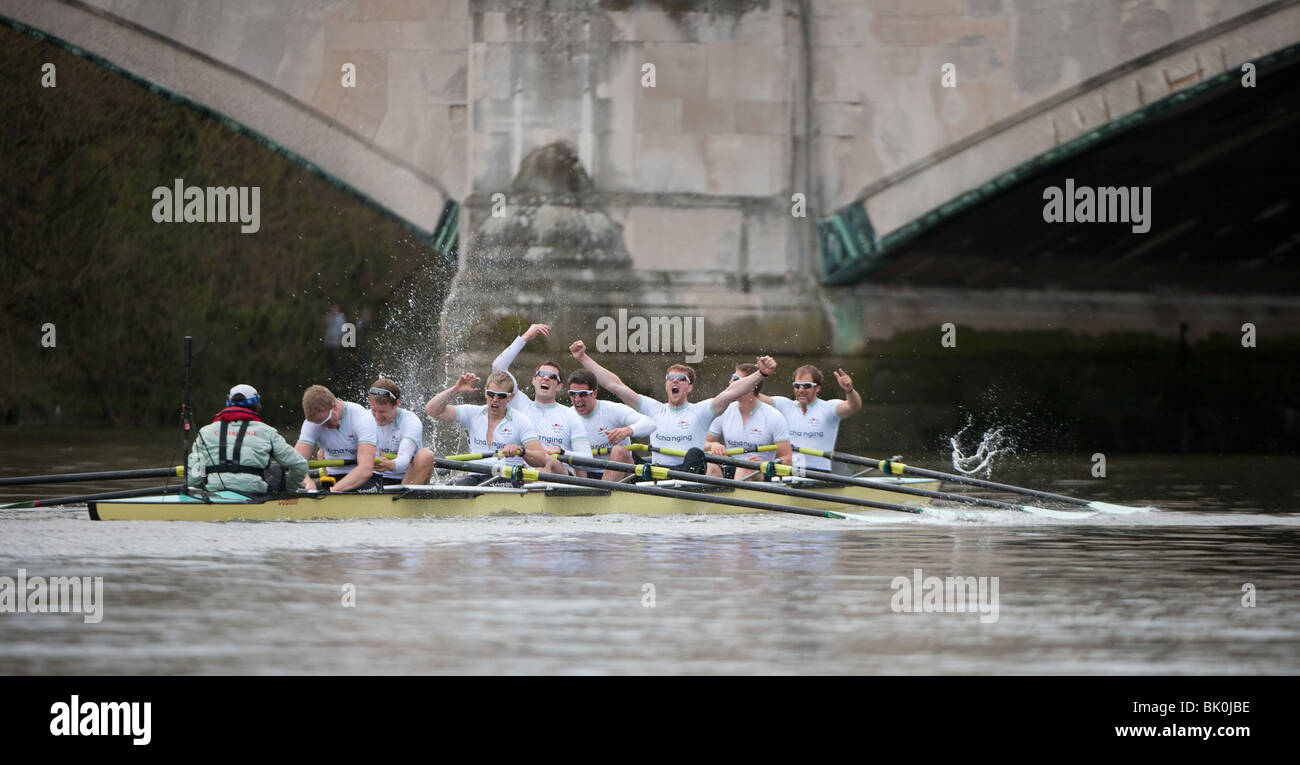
[(881, 517), (938, 513), (952, 514), (1106, 507), (1064, 515)]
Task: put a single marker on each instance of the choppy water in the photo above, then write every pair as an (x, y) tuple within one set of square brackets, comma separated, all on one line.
[(1155, 593)]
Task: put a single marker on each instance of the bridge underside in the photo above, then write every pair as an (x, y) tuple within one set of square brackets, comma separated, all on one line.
[(1222, 171)]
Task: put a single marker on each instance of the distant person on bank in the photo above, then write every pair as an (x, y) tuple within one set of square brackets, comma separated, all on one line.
[(238, 451), (364, 319), (334, 321)]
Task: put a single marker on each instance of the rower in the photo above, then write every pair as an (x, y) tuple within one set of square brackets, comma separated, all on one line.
[(559, 427), (398, 431), (608, 423), (679, 424), (248, 457), (494, 427), (815, 422), (748, 423), (340, 430)]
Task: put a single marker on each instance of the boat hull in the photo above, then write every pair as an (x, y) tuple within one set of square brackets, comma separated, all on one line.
[(460, 502)]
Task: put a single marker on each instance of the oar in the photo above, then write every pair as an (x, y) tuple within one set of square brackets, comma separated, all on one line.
[(518, 473), (167, 472), (110, 475), (90, 497), (781, 469), (342, 462), (660, 473), (322, 474), (898, 468)]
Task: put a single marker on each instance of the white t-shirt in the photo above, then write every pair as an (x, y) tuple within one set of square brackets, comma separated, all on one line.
[(764, 426), (608, 415), (677, 427), (556, 424), (356, 427), (403, 437), (514, 428), (815, 429)]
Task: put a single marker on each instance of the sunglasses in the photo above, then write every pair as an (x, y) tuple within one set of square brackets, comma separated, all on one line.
[(804, 385), (677, 377), (548, 375), (496, 394), (581, 393), (383, 393), (735, 377), (327, 419)]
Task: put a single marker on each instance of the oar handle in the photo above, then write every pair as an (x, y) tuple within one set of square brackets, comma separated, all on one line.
[(671, 452), (342, 462), (473, 456)]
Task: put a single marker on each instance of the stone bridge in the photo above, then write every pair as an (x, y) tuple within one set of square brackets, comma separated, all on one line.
[(850, 168)]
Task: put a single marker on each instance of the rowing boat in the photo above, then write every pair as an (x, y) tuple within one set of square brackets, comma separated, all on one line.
[(540, 498)]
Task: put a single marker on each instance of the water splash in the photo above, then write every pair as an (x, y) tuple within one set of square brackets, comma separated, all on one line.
[(993, 443), (404, 342)]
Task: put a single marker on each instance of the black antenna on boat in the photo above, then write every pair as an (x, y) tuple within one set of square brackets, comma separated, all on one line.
[(187, 415)]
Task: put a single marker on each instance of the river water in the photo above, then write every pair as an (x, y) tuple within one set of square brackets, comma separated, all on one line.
[(1160, 593)]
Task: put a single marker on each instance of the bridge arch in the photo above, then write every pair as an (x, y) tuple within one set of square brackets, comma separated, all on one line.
[(347, 146)]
